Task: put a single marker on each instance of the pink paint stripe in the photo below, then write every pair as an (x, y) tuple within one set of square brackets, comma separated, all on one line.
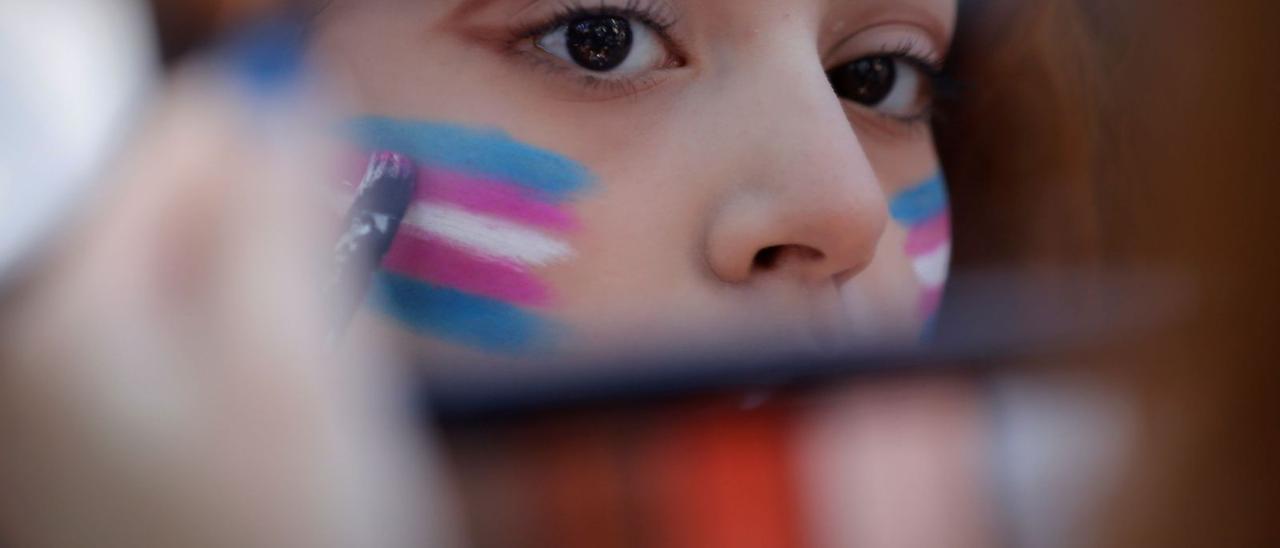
[(930, 302), (475, 194), (430, 260), (483, 195), (929, 235)]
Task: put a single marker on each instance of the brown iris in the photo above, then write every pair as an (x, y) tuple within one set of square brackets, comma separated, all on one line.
[(599, 43), (867, 81)]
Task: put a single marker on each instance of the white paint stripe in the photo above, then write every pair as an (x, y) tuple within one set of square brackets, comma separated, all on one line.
[(931, 268), (487, 236)]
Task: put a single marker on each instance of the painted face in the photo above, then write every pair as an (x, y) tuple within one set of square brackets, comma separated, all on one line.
[(640, 174), (489, 212), (925, 212)]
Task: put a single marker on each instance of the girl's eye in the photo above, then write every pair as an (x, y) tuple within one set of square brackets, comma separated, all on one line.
[(606, 43), (891, 84)]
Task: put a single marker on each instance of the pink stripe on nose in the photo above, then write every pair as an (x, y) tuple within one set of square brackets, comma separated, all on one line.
[(929, 235), (439, 263), (482, 195)]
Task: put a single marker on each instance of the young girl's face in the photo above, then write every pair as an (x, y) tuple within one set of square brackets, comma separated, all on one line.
[(606, 175)]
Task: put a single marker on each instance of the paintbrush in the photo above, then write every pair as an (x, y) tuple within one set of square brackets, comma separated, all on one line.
[(372, 223)]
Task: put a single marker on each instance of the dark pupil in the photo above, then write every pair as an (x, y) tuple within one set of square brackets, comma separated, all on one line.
[(867, 81), (599, 43)]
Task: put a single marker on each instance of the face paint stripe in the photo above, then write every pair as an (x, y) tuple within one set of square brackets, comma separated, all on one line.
[(929, 235), (458, 317), (482, 195), (925, 211), (920, 203), (932, 268), (488, 153), (477, 194), (486, 236), (441, 264), (930, 302)]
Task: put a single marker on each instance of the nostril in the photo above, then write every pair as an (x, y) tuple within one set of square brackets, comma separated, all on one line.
[(773, 257), (767, 258)]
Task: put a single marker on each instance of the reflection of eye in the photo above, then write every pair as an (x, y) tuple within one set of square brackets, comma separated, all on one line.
[(607, 43), (895, 85)]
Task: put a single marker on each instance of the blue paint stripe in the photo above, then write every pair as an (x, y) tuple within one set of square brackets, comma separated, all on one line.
[(920, 203), (451, 315), (930, 330), (484, 152)]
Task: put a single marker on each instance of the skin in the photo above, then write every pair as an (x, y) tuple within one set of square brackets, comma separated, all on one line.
[(674, 226)]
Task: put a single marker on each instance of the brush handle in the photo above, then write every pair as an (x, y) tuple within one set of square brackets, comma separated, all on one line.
[(372, 223)]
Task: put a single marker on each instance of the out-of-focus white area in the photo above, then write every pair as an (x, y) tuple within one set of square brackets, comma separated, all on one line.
[(1060, 445), (72, 73)]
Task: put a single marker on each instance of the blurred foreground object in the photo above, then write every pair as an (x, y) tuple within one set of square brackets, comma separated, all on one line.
[(1191, 184), (164, 381), (73, 74), (1156, 155)]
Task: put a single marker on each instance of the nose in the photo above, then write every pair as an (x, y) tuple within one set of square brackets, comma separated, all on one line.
[(805, 202)]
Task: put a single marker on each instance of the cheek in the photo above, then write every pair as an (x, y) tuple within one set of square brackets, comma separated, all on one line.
[(489, 214), (924, 211)]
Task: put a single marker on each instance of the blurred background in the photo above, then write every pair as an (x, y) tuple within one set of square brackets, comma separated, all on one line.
[(1106, 372)]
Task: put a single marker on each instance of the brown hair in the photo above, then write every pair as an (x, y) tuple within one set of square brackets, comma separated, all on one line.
[(1139, 137), (1017, 135)]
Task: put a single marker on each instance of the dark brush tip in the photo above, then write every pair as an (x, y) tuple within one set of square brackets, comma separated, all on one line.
[(372, 223), (388, 185)]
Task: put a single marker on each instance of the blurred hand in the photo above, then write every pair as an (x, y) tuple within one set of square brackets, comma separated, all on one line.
[(163, 379)]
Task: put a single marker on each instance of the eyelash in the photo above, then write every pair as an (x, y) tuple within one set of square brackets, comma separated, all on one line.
[(659, 18)]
